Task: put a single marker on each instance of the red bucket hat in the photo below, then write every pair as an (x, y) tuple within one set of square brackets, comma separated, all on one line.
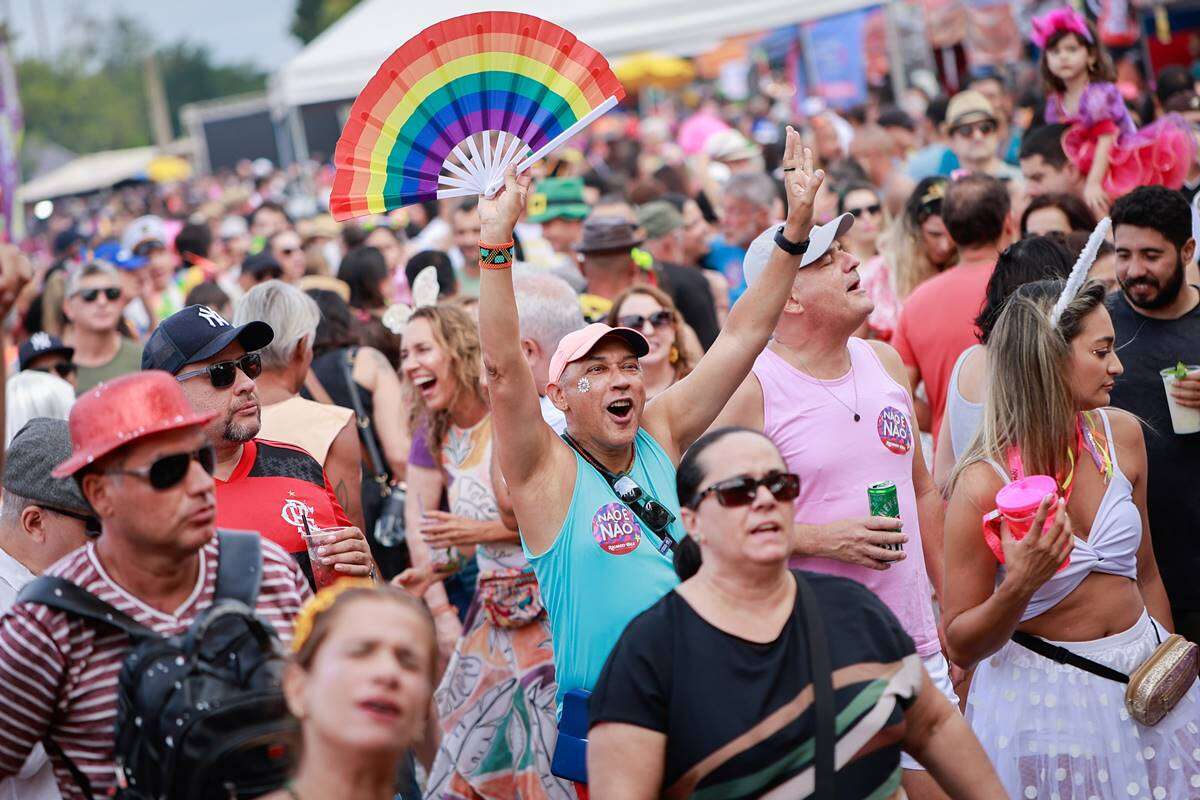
[(122, 411)]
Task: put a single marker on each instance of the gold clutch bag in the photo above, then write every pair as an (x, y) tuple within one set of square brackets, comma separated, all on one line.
[(1162, 680)]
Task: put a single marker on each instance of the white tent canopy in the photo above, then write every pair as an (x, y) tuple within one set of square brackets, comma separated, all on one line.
[(338, 63), (89, 173)]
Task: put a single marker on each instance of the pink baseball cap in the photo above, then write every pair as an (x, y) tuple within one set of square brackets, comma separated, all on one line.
[(575, 346)]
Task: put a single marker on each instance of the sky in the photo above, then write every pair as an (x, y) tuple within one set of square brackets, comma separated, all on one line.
[(235, 30)]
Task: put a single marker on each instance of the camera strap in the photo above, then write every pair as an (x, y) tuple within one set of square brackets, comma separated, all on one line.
[(666, 543)]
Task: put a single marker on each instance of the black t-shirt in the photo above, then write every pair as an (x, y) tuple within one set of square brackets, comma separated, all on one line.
[(692, 295), (712, 692), (1145, 347)]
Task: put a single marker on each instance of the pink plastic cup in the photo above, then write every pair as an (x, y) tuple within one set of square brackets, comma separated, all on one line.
[(1018, 503)]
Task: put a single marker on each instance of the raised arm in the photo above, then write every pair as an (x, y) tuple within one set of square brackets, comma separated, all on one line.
[(683, 412), (525, 443)]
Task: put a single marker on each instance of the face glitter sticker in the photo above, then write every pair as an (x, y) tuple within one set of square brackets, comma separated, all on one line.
[(584, 386)]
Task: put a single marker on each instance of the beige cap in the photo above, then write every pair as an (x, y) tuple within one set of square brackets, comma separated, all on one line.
[(968, 106)]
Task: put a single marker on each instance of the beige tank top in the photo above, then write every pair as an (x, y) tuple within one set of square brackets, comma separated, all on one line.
[(304, 423)]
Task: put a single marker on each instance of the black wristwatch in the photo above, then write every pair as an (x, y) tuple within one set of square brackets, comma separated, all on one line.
[(788, 246)]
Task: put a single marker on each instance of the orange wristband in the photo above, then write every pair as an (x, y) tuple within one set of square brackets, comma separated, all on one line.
[(496, 256)]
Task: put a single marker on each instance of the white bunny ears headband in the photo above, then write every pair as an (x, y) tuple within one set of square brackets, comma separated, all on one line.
[(1079, 272), (425, 291)]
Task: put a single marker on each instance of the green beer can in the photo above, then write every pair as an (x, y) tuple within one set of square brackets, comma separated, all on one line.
[(884, 502)]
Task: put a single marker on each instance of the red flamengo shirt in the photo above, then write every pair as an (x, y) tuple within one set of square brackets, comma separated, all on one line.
[(272, 489)]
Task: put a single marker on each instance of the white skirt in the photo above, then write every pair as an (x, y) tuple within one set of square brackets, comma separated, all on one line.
[(1058, 733)]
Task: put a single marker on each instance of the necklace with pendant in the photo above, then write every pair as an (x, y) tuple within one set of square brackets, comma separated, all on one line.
[(853, 381)]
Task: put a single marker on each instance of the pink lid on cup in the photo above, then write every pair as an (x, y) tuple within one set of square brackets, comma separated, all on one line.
[(1024, 496)]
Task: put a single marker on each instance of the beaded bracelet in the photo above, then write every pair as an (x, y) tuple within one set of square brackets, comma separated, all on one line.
[(496, 256)]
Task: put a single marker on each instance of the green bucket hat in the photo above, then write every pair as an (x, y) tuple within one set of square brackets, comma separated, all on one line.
[(557, 197)]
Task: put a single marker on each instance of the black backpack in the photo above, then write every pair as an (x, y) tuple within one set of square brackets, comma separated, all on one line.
[(201, 715)]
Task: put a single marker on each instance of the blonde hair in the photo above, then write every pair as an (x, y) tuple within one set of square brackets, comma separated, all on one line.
[(686, 355), (1029, 403), (903, 247), (458, 336), (320, 613)]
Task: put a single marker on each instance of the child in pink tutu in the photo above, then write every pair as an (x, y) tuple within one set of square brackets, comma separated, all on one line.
[(1102, 140)]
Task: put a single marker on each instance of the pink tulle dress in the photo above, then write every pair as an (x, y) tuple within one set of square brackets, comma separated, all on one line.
[(1158, 154)]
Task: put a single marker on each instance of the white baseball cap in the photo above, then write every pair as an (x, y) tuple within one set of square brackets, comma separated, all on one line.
[(820, 240)]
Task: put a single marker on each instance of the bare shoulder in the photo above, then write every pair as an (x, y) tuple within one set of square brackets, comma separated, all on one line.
[(977, 485), (1127, 434), (368, 364), (1126, 428)]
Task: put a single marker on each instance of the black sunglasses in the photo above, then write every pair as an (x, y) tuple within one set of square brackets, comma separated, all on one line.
[(874, 210), (659, 319), (985, 126), (647, 508), (64, 369), (742, 490), (167, 471), (91, 525), (113, 293), (222, 374)]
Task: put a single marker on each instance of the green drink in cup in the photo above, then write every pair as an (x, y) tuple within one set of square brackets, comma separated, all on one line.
[(1183, 419)]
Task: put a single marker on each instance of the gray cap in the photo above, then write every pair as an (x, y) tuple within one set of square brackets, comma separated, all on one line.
[(38, 448), (658, 218)]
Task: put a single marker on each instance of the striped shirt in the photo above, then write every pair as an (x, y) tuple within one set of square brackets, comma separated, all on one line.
[(58, 673)]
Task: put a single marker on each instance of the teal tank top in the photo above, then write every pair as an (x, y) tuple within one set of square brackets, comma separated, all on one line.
[(604, 567)]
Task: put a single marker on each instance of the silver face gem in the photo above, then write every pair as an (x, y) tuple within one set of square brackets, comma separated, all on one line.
[(584, 386)]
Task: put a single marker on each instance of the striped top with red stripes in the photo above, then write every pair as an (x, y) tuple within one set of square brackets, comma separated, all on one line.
[(58, 674)]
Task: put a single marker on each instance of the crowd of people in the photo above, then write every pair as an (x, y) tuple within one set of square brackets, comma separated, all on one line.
[(673, 469)]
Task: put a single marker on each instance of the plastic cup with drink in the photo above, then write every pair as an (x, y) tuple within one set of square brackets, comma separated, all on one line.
[(1017, 504), (314, 537), (1183, 419), (444, 560)]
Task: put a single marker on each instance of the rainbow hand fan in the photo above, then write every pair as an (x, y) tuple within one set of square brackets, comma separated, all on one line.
[(458, 103)]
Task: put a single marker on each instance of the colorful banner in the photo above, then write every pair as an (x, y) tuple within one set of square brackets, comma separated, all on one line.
[(837, 67), (993, 39), (12, 126)]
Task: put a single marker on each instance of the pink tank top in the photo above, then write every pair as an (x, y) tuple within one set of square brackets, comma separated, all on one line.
[(837, 458)]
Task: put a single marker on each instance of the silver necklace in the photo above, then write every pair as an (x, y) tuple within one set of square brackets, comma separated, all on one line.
[(853, 382)]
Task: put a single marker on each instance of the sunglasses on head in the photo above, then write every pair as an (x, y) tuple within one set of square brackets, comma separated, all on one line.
[(64, 369), (223, 373), (741, 491), (169, 470), (112, 293), (874, 210), (985, 126), (659, 319)]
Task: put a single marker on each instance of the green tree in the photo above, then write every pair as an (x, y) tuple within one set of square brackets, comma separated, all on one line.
[(314, 16), (92, 95), (189, 75)]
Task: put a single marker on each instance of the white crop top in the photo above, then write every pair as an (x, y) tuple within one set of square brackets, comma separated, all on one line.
[(1111, 545)]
